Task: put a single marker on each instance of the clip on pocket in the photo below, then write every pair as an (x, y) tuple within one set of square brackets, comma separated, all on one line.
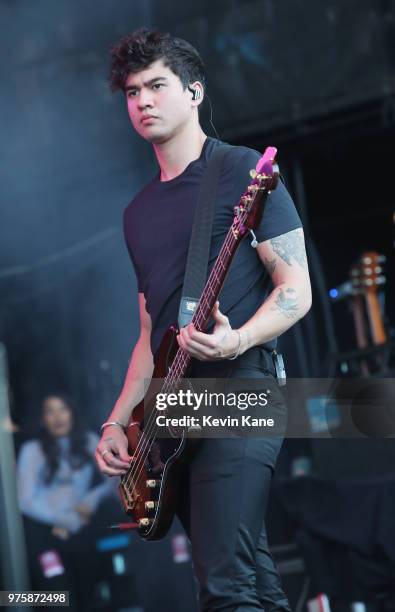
[(280, 369)]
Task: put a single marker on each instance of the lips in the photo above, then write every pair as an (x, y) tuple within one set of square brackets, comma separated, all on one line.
[(147, 117)]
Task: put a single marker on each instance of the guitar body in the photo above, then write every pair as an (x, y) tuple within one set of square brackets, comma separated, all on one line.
[(151, 497)]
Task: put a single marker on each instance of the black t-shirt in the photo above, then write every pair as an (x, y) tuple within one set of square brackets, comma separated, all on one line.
[(158, 226)]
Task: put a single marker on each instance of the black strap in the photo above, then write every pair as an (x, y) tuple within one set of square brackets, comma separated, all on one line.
[(199, 246)]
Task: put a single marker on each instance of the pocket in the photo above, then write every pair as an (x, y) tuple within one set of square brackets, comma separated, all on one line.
[(258, 395)]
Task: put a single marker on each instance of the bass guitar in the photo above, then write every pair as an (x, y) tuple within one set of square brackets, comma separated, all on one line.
[(149, 488)]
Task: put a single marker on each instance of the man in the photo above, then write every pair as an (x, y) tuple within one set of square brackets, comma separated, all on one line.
[(225, 489)]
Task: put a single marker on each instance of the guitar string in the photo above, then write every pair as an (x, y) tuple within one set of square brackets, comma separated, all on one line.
[(175, 371), (181, 359), (180, 363)]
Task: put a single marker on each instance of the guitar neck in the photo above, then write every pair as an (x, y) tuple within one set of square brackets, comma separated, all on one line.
[(207, 300), (375, 319), (216, 279), (367, 276), (359, 321), (248, 214), (238, 230)]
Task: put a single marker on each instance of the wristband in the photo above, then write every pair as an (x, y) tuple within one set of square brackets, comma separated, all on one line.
[(108, 423)]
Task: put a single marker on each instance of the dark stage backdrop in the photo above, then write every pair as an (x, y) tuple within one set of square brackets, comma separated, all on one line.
[(313, 77), (277, 71), (273, 63)]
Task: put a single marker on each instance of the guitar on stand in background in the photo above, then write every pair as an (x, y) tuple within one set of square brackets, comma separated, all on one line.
[(365, 296), (367, 302)]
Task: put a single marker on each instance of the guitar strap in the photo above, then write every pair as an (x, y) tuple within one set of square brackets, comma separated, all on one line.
[(199, 247)]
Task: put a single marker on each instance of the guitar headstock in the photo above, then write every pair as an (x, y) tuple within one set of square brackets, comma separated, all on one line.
[(248, 212), (367, 274), (266, 166)]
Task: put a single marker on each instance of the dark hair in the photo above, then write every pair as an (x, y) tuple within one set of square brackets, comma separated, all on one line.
[(136, 51), (79, 454)]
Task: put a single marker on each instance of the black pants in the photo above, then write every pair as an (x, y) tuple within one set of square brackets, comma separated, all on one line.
[(224, 495)]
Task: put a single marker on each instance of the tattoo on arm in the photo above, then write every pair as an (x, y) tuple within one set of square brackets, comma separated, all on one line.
[(270, 264), (287, 303), (290, 246)]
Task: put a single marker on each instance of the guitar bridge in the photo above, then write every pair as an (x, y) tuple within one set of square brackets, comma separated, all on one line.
[(130, 499)]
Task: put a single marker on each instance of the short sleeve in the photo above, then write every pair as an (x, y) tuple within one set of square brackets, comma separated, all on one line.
[(135, 266), (280, 215)]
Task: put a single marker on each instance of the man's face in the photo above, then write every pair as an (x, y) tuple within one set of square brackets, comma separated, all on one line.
[(158, 106)]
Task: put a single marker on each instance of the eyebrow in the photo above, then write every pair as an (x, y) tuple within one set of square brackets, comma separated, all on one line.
[(150, 82)]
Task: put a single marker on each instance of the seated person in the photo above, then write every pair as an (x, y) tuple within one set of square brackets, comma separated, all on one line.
[(58, 496)]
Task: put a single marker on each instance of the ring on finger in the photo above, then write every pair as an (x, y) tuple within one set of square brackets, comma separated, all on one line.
[(104, 452)]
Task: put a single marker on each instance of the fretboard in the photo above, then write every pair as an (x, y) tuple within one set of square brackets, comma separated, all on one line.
[(206, 303)]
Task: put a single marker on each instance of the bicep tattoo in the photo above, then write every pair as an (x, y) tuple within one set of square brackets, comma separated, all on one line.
[(290, 246)]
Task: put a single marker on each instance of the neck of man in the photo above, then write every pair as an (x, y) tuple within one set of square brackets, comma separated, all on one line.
[(177, 153)]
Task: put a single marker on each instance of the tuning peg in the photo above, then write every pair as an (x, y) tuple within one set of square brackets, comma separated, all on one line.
[(145, 522)]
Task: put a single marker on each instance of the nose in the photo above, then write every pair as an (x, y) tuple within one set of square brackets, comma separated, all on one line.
[(145, 99)]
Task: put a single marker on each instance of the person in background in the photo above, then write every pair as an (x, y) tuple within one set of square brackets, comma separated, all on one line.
[(58, 497)]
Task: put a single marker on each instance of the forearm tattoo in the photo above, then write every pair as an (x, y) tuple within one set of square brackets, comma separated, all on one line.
[(290, 246), (286, 303)]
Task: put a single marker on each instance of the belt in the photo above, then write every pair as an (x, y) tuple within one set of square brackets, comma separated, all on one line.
[(255, 357)]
